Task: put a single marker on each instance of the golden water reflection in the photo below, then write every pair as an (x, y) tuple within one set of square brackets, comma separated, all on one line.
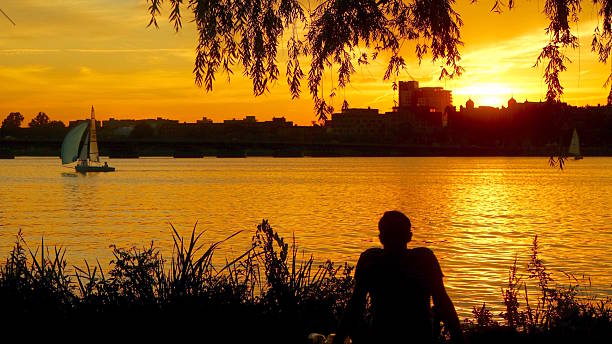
[(477, 214)]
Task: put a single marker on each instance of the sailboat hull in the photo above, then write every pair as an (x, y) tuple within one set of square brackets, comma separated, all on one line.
[(88, 168)]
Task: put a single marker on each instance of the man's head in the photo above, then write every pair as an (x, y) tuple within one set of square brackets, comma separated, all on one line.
[(394, 230)]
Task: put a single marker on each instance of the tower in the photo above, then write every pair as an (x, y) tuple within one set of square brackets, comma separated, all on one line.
[(511, 102), (469, 105)]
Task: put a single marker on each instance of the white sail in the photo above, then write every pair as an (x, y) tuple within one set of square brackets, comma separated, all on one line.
[(93, 140), (70, 146), (574, 148)]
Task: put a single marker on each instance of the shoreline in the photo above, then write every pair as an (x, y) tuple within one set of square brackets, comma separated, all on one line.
[(187, 149)]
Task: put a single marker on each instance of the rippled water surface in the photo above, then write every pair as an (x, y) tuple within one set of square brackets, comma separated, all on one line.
[(477, 214)]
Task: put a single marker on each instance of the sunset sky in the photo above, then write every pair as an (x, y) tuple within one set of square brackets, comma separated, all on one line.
[(64, 56)]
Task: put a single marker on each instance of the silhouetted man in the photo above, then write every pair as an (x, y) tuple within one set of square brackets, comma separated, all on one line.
[(400, 283)]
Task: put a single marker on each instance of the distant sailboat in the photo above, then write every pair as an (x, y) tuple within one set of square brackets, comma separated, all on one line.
[(81, 146), (574, 148)]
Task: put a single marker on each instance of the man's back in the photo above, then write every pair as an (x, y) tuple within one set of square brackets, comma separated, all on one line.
[(400, 287), (401, 284)]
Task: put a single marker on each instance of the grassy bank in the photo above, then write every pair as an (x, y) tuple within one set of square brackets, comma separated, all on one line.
[(270, 293)]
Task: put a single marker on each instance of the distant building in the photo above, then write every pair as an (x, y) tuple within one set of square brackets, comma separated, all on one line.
[(252, 121), (204, 120), (402, 125), (247, 120), (527, 106), (421, 113), (72, 124), (407, 93), (413, 96), (279, 122), (357, 124), (113, 123)]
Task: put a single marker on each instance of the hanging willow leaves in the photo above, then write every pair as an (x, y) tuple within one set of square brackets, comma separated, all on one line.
[(602, 37), (336, 34), (560, 13)]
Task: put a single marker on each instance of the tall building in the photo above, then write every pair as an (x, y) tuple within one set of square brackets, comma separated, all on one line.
[(407, 93), (412, 96)]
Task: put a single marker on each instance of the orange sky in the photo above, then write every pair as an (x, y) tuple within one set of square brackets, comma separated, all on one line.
[(64, 56)]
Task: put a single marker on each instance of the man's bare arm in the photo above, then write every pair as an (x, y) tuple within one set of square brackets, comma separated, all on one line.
[(355, 307), (447, 312)]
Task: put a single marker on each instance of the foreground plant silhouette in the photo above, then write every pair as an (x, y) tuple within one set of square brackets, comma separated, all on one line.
[(269, 294)]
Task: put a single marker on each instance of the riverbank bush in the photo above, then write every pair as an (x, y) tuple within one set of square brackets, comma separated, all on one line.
[(539, 311), (270, 293)]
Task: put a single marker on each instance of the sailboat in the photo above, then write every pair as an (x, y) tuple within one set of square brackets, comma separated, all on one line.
[(81, 146), (574, 148)]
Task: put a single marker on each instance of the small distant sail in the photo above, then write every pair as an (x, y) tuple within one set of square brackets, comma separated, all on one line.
[(574, 148), (72, 141), (93, 139)]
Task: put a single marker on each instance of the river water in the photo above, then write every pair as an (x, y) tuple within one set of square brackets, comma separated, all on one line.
[(476, 214)]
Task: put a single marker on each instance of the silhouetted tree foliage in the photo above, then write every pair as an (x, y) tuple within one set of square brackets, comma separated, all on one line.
[(41, 120), (333, 34), (56, 124), (11, 123), (42, 126)]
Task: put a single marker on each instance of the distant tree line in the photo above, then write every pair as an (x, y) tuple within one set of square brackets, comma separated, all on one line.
[(40, 124), (43, 121)]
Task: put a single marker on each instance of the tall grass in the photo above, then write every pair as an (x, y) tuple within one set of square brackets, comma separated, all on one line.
[(270, 293), (539, 310)]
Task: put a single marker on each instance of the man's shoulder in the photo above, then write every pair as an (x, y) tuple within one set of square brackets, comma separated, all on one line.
[(425, 255), (424, 251), (428, 259), (371, 253), (368, 259)]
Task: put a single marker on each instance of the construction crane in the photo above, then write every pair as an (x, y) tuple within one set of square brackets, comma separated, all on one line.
[(7, 17)]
